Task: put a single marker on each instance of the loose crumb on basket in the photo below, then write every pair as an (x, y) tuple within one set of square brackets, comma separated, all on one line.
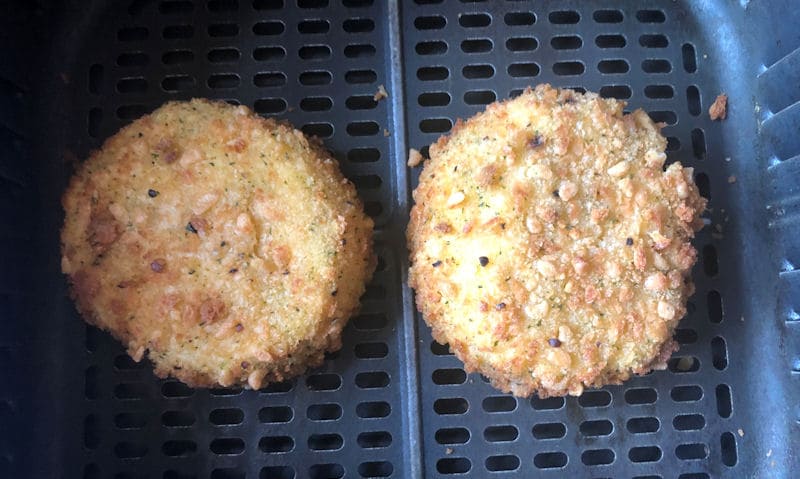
[(719, 109), (386, 133), (380, 94), (414, 158), (448, 451), (741, 432), (732, 179), (685, 363)]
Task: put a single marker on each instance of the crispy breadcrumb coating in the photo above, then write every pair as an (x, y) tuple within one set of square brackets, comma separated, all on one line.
[(549, 246), (227, 248)]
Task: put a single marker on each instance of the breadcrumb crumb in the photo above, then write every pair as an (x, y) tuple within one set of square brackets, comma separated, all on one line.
[(380, 94), (719, 109), (414, 158), (685, 363)]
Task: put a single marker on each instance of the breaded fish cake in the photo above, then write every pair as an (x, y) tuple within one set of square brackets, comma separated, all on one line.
[(549, 246), (227, 248)]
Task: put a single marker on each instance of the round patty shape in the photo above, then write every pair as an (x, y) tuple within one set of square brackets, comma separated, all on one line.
[(549, 246), (226, 247)]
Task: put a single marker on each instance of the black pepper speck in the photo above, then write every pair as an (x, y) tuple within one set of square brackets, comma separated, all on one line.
[(554, 342), (629, 241), (483, 260), (152, 193), (233, 271), (436, 263), (158, 265), (190, 228), (555, 194), (500, 306)]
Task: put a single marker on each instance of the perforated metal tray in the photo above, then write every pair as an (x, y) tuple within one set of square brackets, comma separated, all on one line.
[(392, 402)]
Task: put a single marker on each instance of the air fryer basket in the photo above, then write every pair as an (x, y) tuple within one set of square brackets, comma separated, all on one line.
[(392, 402)]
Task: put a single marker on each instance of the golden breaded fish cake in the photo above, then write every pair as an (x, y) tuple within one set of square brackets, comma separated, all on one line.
[(227, 248), (549, 245)]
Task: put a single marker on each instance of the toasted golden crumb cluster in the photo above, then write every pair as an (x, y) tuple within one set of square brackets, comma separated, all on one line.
[(227, 248), (549, 246)]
